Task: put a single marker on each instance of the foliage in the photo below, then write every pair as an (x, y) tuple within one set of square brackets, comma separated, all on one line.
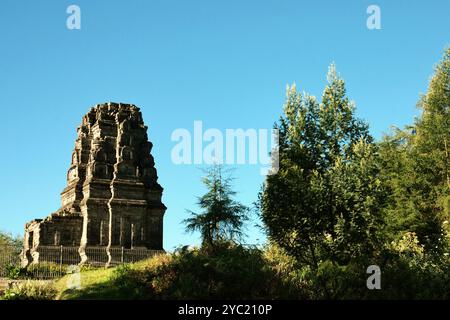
[(234, 272), (229, 272), (325, 202), (129, 283), (43, 269), (417, 168), (13, 271), (10, 248), (8, 240), (341, 202), (410, 273), (31, 290), (406, 273), (288, 273), (222, 217), (95, 284)]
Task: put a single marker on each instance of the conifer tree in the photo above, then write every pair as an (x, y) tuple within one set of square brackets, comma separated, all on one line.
[(417, 166), (222, 217)]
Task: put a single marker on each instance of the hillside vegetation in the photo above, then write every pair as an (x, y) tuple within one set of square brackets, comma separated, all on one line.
[(340, 204)]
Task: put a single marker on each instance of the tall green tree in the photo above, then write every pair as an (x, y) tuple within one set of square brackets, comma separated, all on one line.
[(432, 154), (395, 158), (417, 162), (221, 218), (324, 201)]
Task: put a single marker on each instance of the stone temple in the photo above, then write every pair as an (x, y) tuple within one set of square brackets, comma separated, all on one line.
[(112, 198)]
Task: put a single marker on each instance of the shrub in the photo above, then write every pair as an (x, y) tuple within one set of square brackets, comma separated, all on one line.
[(230, 271), (410, 273), (13, 271), (227, 272), (45, 270), (31, 290), (288, 281), (129, 282)]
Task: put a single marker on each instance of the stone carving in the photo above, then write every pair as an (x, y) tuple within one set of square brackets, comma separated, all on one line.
[(112, 198)]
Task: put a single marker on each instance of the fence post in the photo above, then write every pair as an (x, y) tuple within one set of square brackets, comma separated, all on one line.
[(122, 255), (60, 259)]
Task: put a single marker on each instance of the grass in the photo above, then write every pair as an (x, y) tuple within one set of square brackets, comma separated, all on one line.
[(94, 285), (99, 284)]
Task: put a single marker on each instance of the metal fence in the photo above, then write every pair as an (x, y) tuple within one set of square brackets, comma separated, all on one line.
[(9, 258), (56, 261), (97, 256)]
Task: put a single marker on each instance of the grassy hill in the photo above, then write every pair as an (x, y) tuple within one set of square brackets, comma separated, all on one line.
[(186, 274), (94, 285)]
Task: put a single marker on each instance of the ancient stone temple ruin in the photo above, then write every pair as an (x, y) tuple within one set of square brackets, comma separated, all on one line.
[(112, 198)]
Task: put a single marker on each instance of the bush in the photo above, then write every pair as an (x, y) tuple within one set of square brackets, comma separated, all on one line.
[(41, 270), (410, 273), (13, 271), (129, 282), (290, 284), (45, 270), (9, 256), (31, 290), (407, 272), (228, 271)]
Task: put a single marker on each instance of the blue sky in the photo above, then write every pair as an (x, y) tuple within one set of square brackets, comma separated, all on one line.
[(225, 63)]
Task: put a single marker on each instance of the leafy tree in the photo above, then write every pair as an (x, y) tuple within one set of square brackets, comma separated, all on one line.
[(9, 245), (7, 239), (358, 202), (222, 217), (10, 248), (324, 201)]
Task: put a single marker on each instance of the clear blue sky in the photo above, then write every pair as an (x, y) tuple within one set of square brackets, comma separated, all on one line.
[(223, 62)]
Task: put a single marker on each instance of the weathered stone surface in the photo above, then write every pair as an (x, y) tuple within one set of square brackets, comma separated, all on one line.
[(112, 196)]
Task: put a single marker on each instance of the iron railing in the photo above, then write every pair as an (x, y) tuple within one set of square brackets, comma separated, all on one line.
[(56, 261), (9, 258)]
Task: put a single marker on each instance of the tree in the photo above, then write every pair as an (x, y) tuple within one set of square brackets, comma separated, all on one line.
[(222, 218), (10, 248), (7, 239), (417, 162), (324, 201), (396, 161), (359, 200), (431, 154)]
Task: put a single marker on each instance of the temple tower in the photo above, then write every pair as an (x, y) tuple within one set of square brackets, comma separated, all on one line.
[(112, 198)]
